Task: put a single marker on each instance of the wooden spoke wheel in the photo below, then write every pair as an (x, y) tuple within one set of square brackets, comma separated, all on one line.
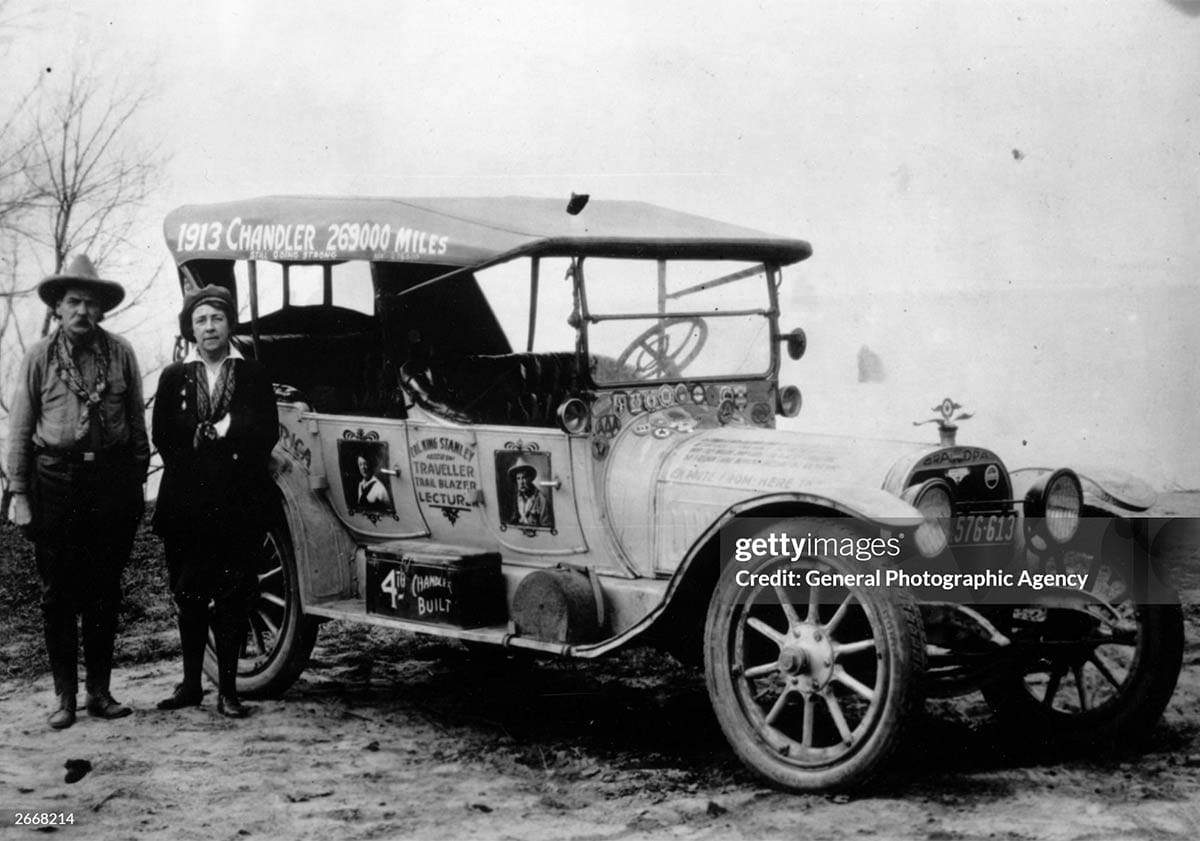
[(813, 685)]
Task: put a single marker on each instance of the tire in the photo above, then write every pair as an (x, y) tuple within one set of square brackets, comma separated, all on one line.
[(279, 637), (797, 710), (1091, 678)]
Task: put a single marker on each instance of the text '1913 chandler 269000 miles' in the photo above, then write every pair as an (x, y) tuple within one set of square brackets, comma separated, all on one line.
[(552, 429)]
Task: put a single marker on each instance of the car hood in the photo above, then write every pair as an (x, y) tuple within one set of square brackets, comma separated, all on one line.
[(666, 487)]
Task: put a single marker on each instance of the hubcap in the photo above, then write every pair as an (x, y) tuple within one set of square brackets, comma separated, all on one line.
[(806, 657)]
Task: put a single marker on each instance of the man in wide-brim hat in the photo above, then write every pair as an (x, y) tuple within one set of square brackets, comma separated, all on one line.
[(530, 508), (78, 454), (81, 274)]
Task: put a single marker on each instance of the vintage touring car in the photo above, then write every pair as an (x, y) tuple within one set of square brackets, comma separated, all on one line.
[(550, 426)]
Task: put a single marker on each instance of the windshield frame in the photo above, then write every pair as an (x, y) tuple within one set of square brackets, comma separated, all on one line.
[(772, 276)]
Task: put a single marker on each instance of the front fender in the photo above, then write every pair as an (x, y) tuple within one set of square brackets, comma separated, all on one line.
[(1113, 491), (688, 517)]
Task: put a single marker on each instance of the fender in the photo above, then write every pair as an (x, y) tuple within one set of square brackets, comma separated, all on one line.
[(324, 552), (870, 505), (1109, 490), (690, 515), (874, 506)]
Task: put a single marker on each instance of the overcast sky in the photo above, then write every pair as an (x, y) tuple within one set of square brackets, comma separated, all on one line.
[(974, 145), (967, 143)]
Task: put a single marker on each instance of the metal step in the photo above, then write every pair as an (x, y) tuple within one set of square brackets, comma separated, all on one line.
[(355, 610), (424, 547)]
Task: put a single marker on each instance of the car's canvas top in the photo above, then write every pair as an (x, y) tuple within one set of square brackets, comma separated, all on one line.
[(456, 231)]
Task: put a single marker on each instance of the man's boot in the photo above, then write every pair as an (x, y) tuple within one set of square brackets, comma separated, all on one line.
[(64, 716), (62, 648), (193, 637), (99, 633)]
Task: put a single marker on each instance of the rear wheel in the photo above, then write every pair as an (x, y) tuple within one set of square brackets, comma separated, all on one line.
[(279, 637), (812, 685)]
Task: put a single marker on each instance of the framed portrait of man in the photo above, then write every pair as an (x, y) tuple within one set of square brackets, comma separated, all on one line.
[(524, 504)]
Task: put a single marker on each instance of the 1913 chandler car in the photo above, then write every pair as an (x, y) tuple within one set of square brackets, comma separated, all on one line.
[(552, 428)]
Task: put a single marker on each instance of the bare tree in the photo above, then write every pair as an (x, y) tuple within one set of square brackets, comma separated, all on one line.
[(90, 180), (84, 179), (84, 182), (16, 196), (16, 140), (17, 193)]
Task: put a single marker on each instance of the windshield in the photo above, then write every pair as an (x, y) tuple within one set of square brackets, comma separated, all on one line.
[(651, 320)]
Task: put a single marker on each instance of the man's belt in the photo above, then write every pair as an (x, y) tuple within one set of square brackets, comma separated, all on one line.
[(92, 457)]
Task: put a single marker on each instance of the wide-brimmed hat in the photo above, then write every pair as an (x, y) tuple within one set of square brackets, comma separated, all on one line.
[(81, 274), (522, 466), (214, 296)]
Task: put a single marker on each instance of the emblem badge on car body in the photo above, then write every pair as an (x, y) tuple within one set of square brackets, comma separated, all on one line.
[(991, 476), (958, 474)]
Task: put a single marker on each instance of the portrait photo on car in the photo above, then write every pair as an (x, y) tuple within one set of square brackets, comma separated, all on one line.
[(365, 488), (523, 502)]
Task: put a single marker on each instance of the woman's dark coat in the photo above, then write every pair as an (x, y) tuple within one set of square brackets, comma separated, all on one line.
[(221, 491)]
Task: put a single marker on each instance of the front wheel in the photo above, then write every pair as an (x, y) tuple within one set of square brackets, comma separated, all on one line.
[(813, 685), (1091, 680), (1101, 672), (279, 637)]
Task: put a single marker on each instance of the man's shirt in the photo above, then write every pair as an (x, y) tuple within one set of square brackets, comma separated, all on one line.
[(531, 509), (47, 414)]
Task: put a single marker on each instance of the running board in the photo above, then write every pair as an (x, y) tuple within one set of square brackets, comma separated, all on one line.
[(354, 610)]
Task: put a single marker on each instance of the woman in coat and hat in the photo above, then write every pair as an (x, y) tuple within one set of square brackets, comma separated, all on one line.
[(214, 424)]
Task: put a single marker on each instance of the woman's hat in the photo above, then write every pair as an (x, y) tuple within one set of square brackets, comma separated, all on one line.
[(81, 274), (214, 296)]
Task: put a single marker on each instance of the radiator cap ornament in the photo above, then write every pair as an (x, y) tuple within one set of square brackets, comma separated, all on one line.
[(947, 428)]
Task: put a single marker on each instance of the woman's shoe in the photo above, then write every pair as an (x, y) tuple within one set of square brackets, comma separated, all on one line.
[(103, 705), (231, 707), (183, 696)]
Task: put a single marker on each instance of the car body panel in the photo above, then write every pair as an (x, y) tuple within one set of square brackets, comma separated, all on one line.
[(662, 493)]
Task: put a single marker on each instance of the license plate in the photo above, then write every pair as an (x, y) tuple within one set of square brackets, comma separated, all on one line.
[(983, 529)]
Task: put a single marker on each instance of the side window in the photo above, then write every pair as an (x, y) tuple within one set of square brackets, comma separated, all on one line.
[(350, 284), (353, 287), (270, 287), (507, 287)]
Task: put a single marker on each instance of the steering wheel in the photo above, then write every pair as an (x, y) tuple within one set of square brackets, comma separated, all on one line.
[(665, 349)]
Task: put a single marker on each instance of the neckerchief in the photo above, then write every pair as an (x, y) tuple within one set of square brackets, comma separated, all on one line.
[(70, 374), (208, 407)]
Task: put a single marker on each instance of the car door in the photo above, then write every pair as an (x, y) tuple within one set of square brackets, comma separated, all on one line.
[(510, 489), (370, 486)]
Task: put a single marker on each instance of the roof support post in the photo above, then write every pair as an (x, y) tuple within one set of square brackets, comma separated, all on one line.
[(253, 277), (534, 272)]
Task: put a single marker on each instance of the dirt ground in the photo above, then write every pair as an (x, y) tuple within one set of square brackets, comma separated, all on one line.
[(390, 736)]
